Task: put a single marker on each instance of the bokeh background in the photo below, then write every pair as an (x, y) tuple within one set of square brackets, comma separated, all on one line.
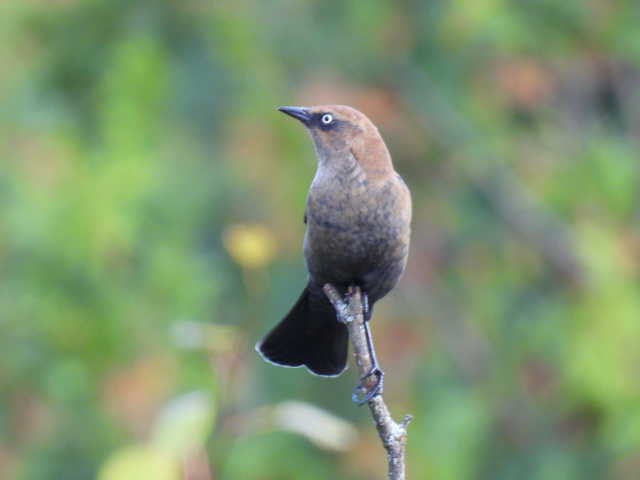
[(151, 203)]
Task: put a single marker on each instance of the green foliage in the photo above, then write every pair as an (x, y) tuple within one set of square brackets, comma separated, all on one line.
[(151, 204)]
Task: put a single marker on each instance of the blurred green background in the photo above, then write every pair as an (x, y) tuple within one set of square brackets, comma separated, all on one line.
[(151, 203)]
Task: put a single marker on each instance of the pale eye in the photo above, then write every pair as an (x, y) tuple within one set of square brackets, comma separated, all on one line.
[(327, 118)]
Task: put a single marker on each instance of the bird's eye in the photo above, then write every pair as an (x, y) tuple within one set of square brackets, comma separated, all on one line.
[(327, 118)]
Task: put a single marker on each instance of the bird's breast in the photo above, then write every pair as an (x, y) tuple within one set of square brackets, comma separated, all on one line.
[(355, 226)]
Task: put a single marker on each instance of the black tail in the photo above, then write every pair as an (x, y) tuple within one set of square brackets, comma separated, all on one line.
[(309, 335)]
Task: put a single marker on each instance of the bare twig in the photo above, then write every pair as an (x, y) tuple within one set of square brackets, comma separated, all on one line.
[(392, 434)]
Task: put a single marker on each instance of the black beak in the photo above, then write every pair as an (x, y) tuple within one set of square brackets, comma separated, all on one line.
[(300, 113)]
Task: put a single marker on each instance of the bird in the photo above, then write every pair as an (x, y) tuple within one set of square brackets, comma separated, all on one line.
[(358, 225)]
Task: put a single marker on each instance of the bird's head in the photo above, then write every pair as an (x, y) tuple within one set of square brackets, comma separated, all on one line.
[(339, 131)]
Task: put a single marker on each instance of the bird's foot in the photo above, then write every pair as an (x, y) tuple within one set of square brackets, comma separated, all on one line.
[(364, 300), (362, 393)]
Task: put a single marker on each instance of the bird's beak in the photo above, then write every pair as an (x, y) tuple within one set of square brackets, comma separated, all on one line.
[(300, 113)]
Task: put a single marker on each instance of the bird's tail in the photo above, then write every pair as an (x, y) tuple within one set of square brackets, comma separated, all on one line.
[(309, 335)]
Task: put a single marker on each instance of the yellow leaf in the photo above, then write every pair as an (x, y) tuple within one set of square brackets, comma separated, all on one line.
[(251, 246), (137, 462)]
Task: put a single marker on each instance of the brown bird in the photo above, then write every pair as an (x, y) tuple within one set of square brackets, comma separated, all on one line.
[(358, 216)]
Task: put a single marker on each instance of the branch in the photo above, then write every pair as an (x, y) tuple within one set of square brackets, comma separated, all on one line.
[(392, 434)]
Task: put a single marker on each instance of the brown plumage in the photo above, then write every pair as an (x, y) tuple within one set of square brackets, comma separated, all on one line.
[(358, 218)]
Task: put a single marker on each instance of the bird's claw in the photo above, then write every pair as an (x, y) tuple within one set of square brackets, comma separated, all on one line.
[(362, 394)]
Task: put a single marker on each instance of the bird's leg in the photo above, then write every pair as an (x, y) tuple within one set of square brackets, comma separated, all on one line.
[(361, 393), (365, 307)]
